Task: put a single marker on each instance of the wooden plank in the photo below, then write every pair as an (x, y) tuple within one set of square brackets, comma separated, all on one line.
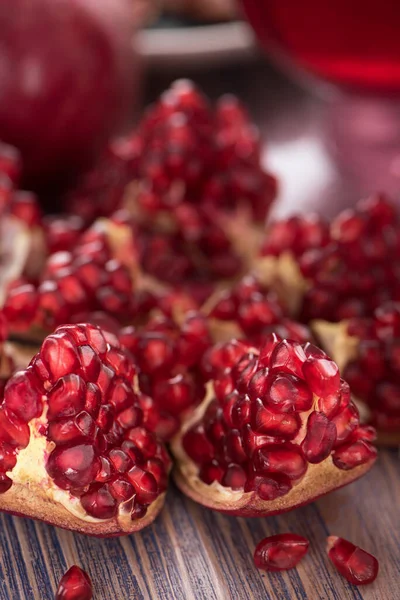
[(191, 553)]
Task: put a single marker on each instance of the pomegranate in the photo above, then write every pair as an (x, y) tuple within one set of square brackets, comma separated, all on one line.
[(77, 450), (75, 584), (70, 65), (280, 552), (251, 310), (197, 192), (339, 270), (356, 565), (168, 354), (372, 346), (266, 436), (97, 274)]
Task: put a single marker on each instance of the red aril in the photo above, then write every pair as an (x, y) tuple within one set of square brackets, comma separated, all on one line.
[(280, 552), (356, 565), (75, 584)]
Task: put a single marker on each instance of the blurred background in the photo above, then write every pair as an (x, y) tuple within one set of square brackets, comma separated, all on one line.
[(321, 80)]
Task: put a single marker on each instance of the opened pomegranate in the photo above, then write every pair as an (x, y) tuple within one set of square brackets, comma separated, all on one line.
[(270, 431), (337, 271), (68, 73), (280, 552), (75, 584), (192, 180), (356, 565), (368, 351), (251, 310), (96, 274), (76, 448)]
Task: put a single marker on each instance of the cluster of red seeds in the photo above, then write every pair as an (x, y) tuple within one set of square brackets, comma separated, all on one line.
[(351, 266), (257, 311), (104, 452), (248, 438), (167, 356), (378, 355), (189, 166), (75, 283)]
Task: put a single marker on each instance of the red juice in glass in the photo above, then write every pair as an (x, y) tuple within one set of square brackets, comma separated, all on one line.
[(353, 43)]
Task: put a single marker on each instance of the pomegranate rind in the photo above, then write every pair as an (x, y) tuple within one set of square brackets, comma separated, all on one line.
[(320, 479), (33, 502)]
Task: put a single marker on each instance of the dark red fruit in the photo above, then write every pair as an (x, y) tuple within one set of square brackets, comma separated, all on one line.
[(257, 436), (75, 584), (82, 404), (280, 552), (356, 565)]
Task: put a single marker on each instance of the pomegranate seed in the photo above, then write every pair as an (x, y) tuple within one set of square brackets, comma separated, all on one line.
[(269, 487), (356, 565), (75, 584), (280, 552), (280, 459), (144, 483), (234, 477), (353, 454), (99, 502), (322, 375), (287, 392), (320, 438), (21, 396), (73, 467)]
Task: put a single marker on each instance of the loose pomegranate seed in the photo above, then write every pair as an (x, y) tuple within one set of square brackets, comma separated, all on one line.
[(356, 565), (280, 552), (75, 584)]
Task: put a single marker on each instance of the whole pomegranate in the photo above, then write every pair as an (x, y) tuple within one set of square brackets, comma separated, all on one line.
[(67, 77)]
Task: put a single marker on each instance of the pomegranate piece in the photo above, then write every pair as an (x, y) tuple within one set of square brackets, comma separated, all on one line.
[(77, 414), (75, 584), (280, 552), (356, 565), (370, 345), (80, 279), (337, 270), (260, 444)]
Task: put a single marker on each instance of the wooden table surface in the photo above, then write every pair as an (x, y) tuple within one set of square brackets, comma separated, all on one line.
[(191, 553)]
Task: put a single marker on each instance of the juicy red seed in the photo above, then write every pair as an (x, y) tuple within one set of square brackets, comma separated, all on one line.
[(235, 477), (130, 417), (211, 472), (264, 420), (75, 584), (346, 421), (144, 440), (99, 502), (288, 356), (104, 473), (322, 375), (234, 450), (90, 362), (287, 393), (138, 511), (73, 467), (353, 454), (13, 431), (155, 354), (364, 432), (22, 397), (241, 412), (269, 487), (320, 438), (286, 460), (5, 483), (93, 399), (157, 468), (197, 446), (67, 397), (120, 460), (174, 395), (105, 417), (267, 349), (8, 458), (121, 489), (356, 565), (59, 355), (121, 395), (280, 552), (258, 384), (145, 485), (243, 372)]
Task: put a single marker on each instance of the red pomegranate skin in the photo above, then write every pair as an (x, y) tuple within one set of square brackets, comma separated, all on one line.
[(67, 77)]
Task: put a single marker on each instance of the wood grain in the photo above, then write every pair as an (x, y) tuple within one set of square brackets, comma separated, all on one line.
[(191, 553)]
